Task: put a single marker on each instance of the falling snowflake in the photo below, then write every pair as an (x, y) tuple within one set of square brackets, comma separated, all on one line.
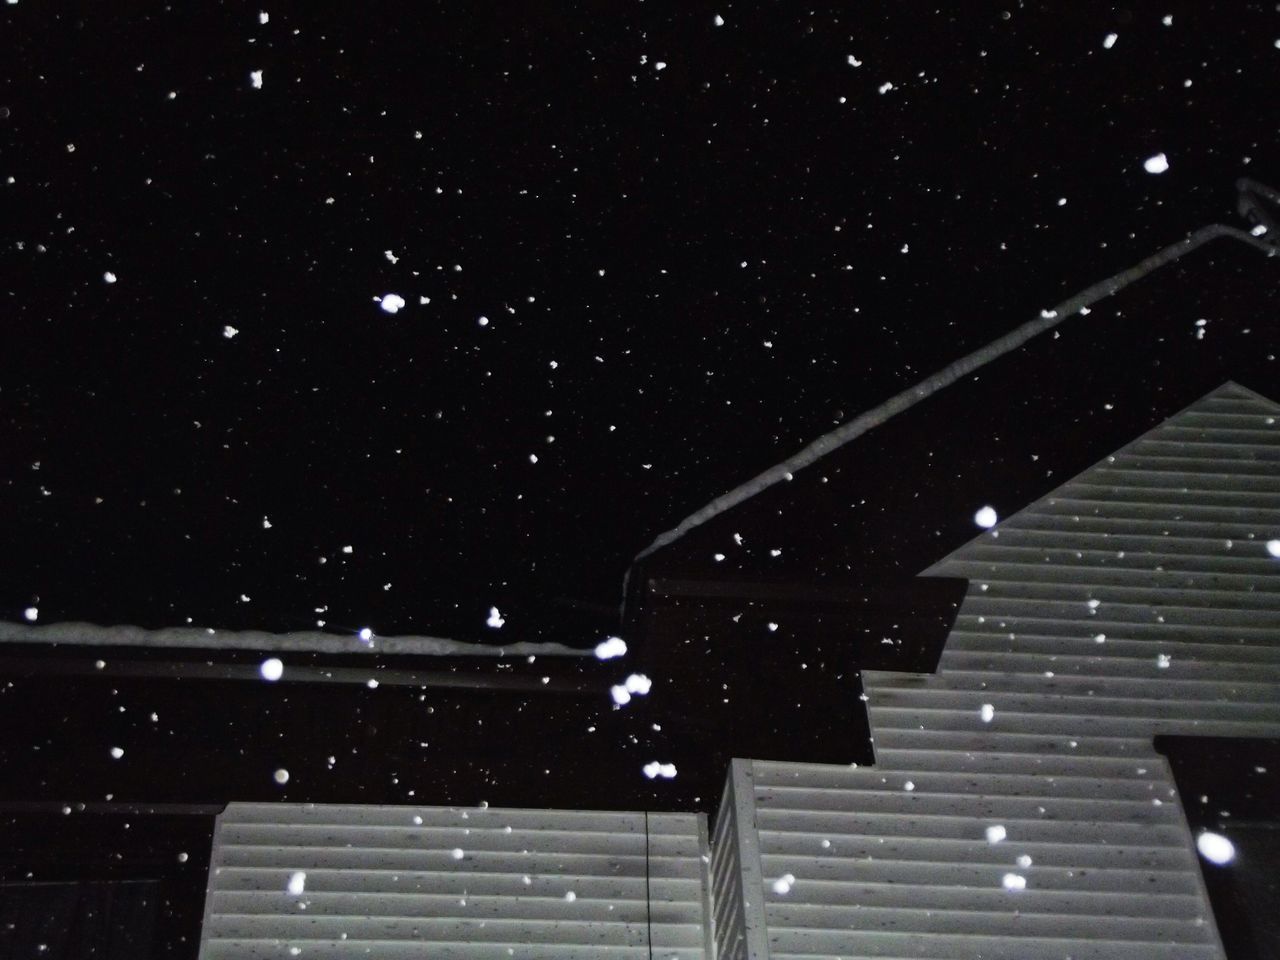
[(496, 619), (391, 302), (297, 883), (611, 647), (255, 78), (784, 883), (986, 517), (272, 669), (638, 683), (1215, 848), (655, 769), (1157, 164)]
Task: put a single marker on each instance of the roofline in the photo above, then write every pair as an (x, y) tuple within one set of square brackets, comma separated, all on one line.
[(870, 419)]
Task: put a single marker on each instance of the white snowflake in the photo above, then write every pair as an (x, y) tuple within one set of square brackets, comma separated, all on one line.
[(1215, 848), (271, 669), (638, 683), (655, 769), (1156, 164), (611, 647)]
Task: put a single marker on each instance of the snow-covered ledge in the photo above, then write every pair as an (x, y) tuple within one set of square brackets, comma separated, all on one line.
[(304, 641)]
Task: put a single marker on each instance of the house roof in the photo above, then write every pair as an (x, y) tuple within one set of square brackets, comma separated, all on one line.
[(885, 507)]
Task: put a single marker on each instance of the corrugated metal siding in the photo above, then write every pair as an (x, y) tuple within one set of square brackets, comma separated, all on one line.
[(388, 882), (737, 894), (1137, 599)]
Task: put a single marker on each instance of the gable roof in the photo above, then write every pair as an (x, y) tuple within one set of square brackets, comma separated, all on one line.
[(876, 511)]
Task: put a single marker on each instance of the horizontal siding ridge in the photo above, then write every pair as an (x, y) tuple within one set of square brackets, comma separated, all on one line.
[(335, 949), (941, 899), (1074, 685), (1128, 645), (1036, 565), (1112, 717), (1024, 664), (781, 794), (1120, 603), (1069, 874), (1013, 922)]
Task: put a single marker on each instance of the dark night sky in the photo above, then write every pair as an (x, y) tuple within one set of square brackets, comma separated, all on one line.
[(697, 245)]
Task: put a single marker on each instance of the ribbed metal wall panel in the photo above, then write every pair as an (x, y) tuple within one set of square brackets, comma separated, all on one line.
[(456, 884), (738, 915), (1139, 598)]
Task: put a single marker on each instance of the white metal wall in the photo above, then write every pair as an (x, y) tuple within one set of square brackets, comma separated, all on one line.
[(1139, 598), (738, 916), (455, 884)]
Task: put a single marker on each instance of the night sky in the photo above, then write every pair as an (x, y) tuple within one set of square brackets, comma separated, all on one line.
[(645, 250)]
